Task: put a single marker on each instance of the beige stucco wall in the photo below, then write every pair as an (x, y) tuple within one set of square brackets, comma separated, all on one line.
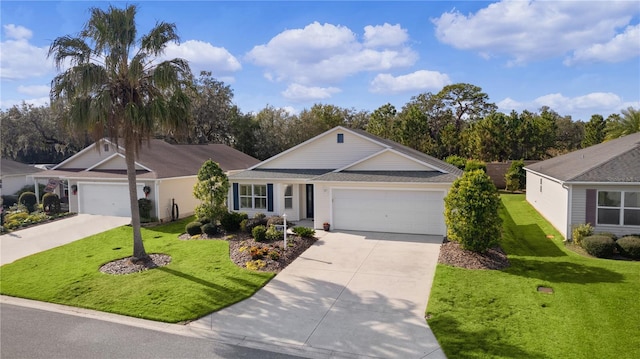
[(180, 189)]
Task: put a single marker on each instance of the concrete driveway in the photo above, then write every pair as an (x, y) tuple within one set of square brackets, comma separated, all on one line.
[(355, 294), (28, 241)]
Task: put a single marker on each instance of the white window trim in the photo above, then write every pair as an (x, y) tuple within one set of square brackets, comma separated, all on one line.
[(288, 196), (621, 209), (253, 196)]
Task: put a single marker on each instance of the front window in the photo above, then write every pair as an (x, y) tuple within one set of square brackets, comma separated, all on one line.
[(253, 196), (619, 208), (288, 196)]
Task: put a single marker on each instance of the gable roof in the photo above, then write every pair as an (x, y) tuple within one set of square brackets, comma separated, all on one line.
[(159, 159), (608, 162), (425, 168), (12, 168)]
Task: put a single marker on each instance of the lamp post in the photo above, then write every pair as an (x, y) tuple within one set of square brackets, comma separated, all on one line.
[(284, 218)]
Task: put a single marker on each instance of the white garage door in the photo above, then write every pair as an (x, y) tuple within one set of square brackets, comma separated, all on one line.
[(110, 199), (394, 211)]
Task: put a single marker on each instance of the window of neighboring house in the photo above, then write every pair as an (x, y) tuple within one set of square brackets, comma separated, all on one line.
[(288, 196), (106, 147), (253, 196), (341, 138), (619, 208)]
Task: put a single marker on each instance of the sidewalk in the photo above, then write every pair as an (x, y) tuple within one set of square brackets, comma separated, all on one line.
[(39, 238)]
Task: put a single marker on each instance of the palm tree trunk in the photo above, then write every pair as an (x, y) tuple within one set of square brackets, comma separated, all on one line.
[(138, 246)]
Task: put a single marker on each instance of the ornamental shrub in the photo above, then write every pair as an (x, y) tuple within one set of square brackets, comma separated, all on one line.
[(230, 221), (273, 234), (145, 206), (471, 212), (599, 246), (259, 233), (629, 246), (193, 228), (580, 232), (29, 200), (209, 229), (51, 203), (256, 265), (516, 177), (304, 231), (248, 225)]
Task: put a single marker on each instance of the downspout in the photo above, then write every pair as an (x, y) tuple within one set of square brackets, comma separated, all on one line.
[(156, 185), (569, 209)]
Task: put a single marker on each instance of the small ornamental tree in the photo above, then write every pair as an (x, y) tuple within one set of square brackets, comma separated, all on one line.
[(211, 189), (471, 212), (516, 177)]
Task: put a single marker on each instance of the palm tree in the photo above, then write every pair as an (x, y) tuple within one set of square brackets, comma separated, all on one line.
[(114, 88), (621, 126)]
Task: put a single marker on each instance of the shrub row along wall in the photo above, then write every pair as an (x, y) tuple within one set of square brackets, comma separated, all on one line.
[(497, 170)]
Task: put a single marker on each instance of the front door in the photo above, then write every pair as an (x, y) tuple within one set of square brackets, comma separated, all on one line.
[(309, 201)]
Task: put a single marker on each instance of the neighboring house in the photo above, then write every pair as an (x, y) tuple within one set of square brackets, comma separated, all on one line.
[(15, 175), (95, 179), (599, 185), (352, 180)]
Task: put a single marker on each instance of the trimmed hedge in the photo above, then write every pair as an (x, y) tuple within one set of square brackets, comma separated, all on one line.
[(231, 221), (629, 246), (193, 228), (51, 203), (599, 246), (29, 200), (209, 229), (259, 233)]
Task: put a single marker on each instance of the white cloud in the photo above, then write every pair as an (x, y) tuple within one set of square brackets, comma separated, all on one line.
[(416, 81), (203, 56), (329, 53), (533, 30), (297, 92), (39, 101), (580, 107), (384, 35), (34, 90), (20, 59), (622, 47)]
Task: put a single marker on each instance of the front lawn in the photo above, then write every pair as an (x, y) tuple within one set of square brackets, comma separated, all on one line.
[(199, 280), (594, 311)]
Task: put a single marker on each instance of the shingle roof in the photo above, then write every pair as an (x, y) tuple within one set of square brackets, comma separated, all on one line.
[(9, 167), (166, 160), (302, 174), (388, 176), (612, 161)]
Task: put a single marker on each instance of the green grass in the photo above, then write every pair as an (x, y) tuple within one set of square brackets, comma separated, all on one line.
[(199, 280), (594, 311)]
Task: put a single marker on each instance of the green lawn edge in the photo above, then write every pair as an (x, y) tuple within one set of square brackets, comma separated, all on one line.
[(200, 279), (594, 311)]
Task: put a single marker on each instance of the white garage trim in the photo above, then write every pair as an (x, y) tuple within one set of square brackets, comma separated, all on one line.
[(106, 198), (394, 210)]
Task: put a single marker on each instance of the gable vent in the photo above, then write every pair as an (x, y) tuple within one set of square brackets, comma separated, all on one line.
[(341, 138)]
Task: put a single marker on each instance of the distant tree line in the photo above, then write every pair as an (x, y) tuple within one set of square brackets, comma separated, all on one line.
[(459, 120)]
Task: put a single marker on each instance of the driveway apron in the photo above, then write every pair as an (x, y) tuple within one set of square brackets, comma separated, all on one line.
[(28, 241), (356, 294)]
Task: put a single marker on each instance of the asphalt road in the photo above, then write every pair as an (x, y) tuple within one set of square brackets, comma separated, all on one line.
[(33, 333)]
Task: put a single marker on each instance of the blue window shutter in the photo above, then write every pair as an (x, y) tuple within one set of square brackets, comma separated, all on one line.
[(236, 197), (269, 197)]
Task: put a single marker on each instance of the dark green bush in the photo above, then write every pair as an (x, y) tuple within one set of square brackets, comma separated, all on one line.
[(629, 246), (248, 225), (606, 234), (599, 246), (456, 161), (209, 229), (259, 233), (51, 203), (29, 200), (516, 177), (8, 201), (145, 206), (472, 165), (273, 234), (193, 228), (304, 231), (230, 221)]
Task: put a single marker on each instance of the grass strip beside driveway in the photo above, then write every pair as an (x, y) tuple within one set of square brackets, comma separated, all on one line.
[(199, 280), (594, 311)]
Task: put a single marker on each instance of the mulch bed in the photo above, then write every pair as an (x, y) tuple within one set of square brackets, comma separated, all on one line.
[(127, 266), (452, 254)]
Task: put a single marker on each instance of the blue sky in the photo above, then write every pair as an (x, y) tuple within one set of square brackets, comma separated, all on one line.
[(577, 57)]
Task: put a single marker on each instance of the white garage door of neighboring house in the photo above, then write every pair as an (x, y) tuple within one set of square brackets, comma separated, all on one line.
[(109, 199), (395, 211)]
